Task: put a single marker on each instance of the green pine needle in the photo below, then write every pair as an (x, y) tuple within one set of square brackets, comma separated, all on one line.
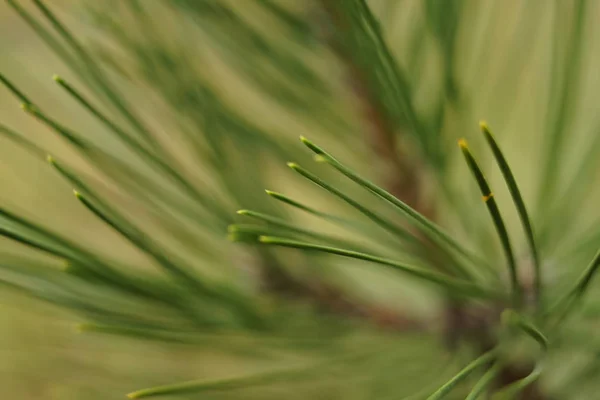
[(433, 230), (15, 91), (348, 225), (69, 135), (22, 141), (466, 371), (194, 284), (484, 382), (402, 233), (239, 233), (81, 99), (460, 288), (223, 385), (512, 391), (287, 200), (490, 202), (566, 303), (520, 205), (512, 318)]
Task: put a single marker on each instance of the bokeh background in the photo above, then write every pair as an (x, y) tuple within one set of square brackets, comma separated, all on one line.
[(527, 68)]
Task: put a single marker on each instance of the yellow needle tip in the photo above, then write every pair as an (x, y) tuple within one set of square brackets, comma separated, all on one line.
[(463, 144), (483, 126)]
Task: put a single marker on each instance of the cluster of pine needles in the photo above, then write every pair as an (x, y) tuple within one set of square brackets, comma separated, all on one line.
[(182, 301)]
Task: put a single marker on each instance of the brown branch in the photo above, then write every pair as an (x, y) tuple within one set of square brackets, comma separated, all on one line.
[(402, 176)]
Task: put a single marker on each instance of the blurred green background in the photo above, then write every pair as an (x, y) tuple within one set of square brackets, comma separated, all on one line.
[(513, 66)]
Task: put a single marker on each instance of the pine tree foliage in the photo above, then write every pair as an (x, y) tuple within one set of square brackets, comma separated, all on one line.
[(371, 268)]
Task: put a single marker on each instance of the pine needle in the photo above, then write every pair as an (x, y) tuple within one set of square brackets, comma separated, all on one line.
[(490, 202), (460, 288)]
